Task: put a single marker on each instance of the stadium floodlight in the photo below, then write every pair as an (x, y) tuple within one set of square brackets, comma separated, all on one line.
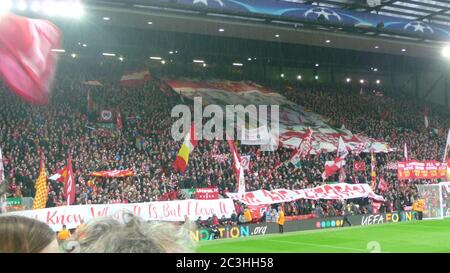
[(73, 55), (58, 50), (149, 23), (361, 81), (156, 58), (221, 30), (240, 64), (21, 5), (5, 5), (106, 18), (376, 47), (282, 75), (328, 41), (299, 77), (204, 65), (316, 77), (378, 82), (403, 49), (163, 62), (249, 59), (121, 58), (348, 80), (170, 52), (109, 54), (317, 65), (277, 35), (446, 51), (198, 61)]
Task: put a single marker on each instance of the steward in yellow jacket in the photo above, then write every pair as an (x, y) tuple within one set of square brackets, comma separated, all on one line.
[(280, 220)]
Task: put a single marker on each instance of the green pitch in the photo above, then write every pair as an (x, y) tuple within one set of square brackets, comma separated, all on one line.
[(424, 236)]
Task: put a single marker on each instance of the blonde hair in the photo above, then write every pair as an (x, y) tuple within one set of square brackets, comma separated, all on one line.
[(107, 235), (24, 235)]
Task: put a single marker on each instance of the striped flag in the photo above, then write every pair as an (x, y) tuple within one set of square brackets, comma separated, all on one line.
[(238, 170), (373, 171), (69, 183), (189, 144), (40, 198)]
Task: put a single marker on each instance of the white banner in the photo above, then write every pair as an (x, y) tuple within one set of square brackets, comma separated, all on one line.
[(71, 216), (340, 191)]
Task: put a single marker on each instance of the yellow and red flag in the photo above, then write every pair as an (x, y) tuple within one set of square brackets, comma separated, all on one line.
[(41, 196), (189, 144)]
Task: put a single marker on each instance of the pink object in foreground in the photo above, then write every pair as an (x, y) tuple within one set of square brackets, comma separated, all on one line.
[(27, 63)]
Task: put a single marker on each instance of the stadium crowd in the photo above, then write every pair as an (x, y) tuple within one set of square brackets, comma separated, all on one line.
[(146, 146)]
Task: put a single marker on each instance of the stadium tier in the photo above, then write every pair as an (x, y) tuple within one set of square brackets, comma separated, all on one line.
[(333, 116)]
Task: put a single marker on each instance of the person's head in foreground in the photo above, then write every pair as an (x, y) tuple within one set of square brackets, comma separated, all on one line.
[(25, 235), (133, 235)]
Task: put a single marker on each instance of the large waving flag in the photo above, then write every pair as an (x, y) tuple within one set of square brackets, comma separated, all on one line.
[(331, 167), (40, 198), (135, 78), (69, 183), (189, 144), (28, 64), (238, 169)]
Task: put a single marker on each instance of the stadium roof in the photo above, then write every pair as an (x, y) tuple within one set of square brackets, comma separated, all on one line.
[(436, 11)]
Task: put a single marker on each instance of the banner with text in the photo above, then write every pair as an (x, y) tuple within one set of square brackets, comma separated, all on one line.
[(339, 191), (413, 169), (207, 193), (71, 216)]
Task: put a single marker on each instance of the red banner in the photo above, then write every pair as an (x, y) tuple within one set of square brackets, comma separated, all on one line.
[(359, 166), (257, 211), (113, 173), (207, 193), (413, 169)]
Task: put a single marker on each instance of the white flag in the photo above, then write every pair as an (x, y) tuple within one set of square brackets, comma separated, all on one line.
[(446, 147), (405, 152), (426, 121), (342, 149)]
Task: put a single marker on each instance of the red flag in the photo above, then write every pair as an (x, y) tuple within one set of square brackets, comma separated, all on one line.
[(359, 166), (376, 206), (27, 63), (119, 124), (382, 185), (238, 170), (373, 171), (135, 78), (69, 183)]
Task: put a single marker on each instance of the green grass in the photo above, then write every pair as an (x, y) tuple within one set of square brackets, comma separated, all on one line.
[(415, 237)]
